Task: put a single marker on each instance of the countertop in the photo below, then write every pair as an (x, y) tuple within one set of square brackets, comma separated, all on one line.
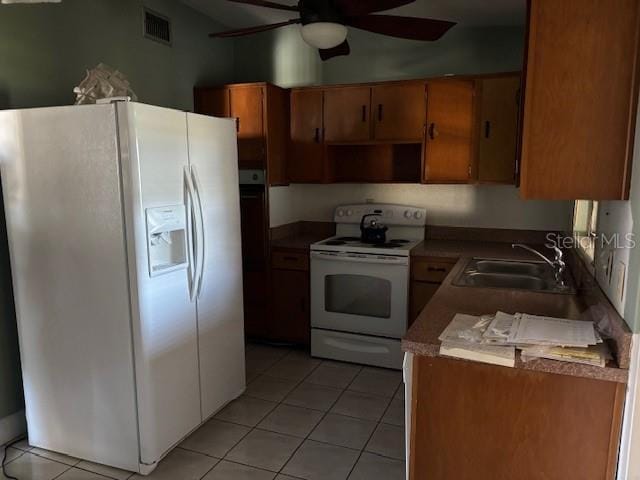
[(422, 337), (300, 235), (298, 241)]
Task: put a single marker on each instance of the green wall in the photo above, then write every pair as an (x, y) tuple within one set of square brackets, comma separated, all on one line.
[(44, 52), (282, 56)]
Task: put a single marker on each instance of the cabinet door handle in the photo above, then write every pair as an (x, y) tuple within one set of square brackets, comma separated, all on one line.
[(316, 138), (238, 124), (364, 113), (432, 131), (487, 129), (436, 269), (380, 107)]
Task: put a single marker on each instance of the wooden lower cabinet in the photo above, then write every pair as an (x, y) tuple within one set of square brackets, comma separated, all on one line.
[(256, 303), (290, 301), (427, 274), (421, 293), (472, 421)]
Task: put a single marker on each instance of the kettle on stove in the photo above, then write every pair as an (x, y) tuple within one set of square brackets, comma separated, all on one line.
[(373, 232)]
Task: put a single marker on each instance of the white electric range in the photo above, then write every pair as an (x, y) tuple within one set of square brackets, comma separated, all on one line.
[(360, 291)]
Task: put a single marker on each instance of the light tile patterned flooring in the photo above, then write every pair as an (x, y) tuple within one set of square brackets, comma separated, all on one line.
[(299, 418)]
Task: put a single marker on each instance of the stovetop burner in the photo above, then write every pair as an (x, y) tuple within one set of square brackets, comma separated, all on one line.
[(400, 241), (335, 242), (347, 239)]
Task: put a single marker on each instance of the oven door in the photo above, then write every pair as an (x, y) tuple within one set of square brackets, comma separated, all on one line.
[(366, 294)]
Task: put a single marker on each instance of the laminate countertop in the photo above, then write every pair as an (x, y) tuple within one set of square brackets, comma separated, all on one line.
[(422, 337), (298, 241)]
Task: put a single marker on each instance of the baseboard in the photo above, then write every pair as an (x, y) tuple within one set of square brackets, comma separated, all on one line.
[(12, 427)]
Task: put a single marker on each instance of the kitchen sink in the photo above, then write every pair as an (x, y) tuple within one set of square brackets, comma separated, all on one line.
[(516, 268), (506, 280), (519, 275)]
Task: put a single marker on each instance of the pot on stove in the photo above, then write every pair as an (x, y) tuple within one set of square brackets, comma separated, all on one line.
[(372, 231)]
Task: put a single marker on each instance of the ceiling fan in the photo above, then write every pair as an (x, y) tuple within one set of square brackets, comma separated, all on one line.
[(325, 22)]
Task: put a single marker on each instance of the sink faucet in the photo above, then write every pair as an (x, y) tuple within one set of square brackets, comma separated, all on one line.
[(557, 263)]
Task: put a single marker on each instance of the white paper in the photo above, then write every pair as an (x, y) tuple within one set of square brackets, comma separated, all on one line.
[(460, 323), (500, 327), (554, 331)]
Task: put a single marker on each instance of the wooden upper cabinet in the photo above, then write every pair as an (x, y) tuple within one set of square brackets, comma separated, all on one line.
[(277, 133), (261, 111), (450, 131), (581, 96), (247, 108), (347, 114), (212, 101), (499, 100), (307, 151), (399, 112)]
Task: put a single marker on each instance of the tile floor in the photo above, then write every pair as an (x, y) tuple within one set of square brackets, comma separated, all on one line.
[(299, 418)]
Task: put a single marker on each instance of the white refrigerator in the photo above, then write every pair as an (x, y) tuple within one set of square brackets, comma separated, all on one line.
[(124, 233)]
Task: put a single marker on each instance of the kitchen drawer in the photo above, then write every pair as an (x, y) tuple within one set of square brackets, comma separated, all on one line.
[(288, 260), (430, 271)]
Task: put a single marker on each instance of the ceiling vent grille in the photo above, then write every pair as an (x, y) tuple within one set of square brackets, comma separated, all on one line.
[(157, 27)]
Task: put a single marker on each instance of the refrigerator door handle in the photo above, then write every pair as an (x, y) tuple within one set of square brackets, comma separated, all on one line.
[(199, 230), (192, 237)]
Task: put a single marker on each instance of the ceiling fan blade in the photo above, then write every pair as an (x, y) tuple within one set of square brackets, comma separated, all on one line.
[(342, 49), (265, 3), (354, 8), (251, 30), (412, 28)]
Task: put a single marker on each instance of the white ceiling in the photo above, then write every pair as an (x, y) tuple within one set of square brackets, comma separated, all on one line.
[(465, 12)]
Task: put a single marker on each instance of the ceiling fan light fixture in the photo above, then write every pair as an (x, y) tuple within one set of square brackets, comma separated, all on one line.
[(324, 35)]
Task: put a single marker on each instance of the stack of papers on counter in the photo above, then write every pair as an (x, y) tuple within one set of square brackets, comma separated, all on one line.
[(458, 341), (494, 339)]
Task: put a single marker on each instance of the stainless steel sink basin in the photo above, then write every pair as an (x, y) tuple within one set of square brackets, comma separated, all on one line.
[(520, 275), (506, 280), (515, 268)]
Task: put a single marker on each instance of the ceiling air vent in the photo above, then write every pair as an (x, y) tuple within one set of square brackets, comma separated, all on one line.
[(157, 27)]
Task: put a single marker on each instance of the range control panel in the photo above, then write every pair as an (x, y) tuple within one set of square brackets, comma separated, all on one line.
[(389, 214)]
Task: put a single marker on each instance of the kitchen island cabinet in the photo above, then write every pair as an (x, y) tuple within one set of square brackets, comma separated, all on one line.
[(472, 421), (540, 419)]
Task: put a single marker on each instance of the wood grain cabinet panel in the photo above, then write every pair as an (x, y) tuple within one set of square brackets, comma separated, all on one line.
[(290, 297), (581, 96), (247, 108), (307, 157), (450, 125), (399, 112), (499, 110), (261, 111), (347, 114), (212, 101), (473, 421), (421, 293)]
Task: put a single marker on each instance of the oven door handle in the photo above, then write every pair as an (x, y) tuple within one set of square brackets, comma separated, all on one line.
[(360, 259)]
